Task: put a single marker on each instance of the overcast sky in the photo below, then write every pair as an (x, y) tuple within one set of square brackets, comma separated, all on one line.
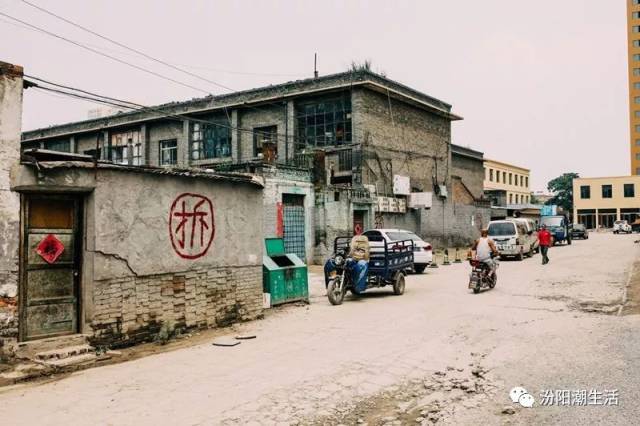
[(540, 84)]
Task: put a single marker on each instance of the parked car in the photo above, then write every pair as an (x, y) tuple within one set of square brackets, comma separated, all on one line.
[(579, 231), (510, 238), (621, 226), (635, 226), (532, 233), (422, 250), (559, 228)]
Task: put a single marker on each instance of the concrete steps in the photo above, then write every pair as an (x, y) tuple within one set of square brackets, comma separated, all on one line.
[(67, 356)]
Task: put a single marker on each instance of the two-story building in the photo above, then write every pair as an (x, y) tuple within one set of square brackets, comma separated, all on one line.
[(338, 154), (599, 202)]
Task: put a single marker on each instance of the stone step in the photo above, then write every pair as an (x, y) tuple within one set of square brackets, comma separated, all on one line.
[(63, 353), (81, 359), (28, 350)]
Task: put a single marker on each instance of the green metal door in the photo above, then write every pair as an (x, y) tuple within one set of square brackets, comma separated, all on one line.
[(293, 219), (50, 266)]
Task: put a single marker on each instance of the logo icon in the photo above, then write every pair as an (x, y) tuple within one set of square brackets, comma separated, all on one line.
[(50, 248), (191, 225), (522, 397)]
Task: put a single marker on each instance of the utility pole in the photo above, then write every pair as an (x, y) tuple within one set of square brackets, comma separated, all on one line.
[(315, 65)]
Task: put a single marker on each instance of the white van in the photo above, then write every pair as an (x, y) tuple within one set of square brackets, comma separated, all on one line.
[(510, 238), (532, 233)]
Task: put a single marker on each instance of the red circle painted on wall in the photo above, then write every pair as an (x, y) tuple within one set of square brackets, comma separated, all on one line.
[(191, 225)]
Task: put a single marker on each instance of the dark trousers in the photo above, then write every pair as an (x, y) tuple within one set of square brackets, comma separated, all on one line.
[(545, 258)]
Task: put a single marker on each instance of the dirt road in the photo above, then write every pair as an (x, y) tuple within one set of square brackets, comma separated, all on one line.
[(436, 354)]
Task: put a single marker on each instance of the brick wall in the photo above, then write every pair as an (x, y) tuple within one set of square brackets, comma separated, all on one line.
[(130, 310)]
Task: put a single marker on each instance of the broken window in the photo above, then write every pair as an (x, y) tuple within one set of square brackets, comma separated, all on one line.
[(61, 145), (324, 122), (169, 152), (210, 141), (265, 142), (125, 144)]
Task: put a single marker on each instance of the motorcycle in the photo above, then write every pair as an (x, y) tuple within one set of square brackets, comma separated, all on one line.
[(482, 275), (341, 281)]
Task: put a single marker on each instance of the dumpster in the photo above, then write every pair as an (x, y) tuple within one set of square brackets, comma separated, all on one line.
[(284, 275)]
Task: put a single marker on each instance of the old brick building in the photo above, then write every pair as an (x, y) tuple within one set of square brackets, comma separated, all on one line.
[(338, 153)]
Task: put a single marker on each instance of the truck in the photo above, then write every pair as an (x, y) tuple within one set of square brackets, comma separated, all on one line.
[(559, 228)]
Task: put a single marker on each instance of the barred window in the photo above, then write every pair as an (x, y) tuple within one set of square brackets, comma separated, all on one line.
[(210, 141), (324, 122), (169, 152)]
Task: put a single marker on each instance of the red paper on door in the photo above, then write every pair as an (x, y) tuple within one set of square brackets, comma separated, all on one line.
[(50, 248)]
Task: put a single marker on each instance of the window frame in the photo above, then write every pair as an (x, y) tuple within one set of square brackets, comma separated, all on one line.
[(162, 150), (607, 194), (585, 192), (632, 192)]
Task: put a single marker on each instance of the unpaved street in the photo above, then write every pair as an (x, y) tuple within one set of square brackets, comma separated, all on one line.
[(438, 354)]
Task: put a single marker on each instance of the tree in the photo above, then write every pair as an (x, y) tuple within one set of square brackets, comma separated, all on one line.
[(562, 190)]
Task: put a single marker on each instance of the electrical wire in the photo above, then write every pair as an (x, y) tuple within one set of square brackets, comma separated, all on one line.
[(90, 49), (167, 64)]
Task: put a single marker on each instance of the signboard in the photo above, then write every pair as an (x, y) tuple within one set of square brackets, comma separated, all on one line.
[(549, 210), (392, 205), (421, 200), (401, 185)]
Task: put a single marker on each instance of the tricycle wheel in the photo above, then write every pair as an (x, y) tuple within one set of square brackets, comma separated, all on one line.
[(398, 285), (334, 292)]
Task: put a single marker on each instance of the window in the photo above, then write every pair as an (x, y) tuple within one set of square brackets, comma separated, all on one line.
[(636, 2), (324, 122), (635, 29), (636, 86), (510, 198), (585, 192), (629, 190), (526, 182), (498, 176), (637, 156), (636, 100), (636, 71), (265, 141), (491, 175), (637, 128), (635, 15), (636, 114), (607, 191), (517, 199), (504, 177), (636, 43), (169, 152), (125, 143), (59, 145), (510, 176), (637, 142), (210, 141)]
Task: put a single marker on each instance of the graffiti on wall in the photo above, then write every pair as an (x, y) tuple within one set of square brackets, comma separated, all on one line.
[(191, 225)]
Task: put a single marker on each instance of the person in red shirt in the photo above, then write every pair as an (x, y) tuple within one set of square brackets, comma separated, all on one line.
[(544, 237)]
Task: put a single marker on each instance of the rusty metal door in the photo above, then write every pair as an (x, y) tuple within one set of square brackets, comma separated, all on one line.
[(50, 266)]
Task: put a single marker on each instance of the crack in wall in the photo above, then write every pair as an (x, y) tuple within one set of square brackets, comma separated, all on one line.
[(117, 257)]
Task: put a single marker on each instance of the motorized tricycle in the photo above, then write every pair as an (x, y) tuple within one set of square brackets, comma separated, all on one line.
[(388, 265)]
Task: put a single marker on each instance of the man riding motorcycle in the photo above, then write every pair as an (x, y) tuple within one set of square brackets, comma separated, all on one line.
[(357, 262), (484, 248)]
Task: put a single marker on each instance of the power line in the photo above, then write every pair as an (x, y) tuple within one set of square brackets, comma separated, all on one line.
[(104, 54), (125, 46)]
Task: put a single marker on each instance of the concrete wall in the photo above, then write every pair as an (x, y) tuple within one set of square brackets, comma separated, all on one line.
[(471, 171), (133, 279), (10, 128), (288, 181)]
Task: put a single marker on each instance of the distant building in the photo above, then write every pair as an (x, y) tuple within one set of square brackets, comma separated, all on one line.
[(506, 182), (598, 202), (633, 41), (542, 197)]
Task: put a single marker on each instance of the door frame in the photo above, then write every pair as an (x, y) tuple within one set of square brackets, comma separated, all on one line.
[(78, 231)]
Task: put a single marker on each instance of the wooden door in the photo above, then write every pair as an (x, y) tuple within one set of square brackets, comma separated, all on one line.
[(50, 266)]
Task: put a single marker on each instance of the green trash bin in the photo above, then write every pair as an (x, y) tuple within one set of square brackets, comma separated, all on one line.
[(284, 275)]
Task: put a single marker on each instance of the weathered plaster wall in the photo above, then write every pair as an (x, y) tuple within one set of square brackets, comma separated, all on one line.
[(10, 128), (133, 278)]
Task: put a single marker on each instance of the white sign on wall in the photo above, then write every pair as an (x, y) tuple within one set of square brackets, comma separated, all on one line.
[(401, 185), (392, 205), (421, 200)]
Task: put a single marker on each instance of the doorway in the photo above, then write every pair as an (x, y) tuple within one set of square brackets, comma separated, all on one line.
[(358, 222), (293, 224), (50, 266)]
